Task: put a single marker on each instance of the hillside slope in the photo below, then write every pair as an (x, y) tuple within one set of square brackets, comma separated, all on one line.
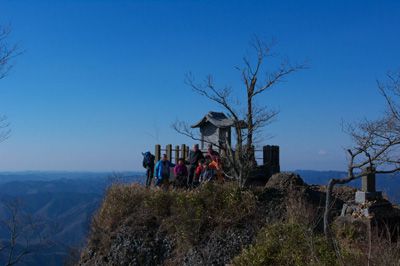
[(207, 226), (60, 206)]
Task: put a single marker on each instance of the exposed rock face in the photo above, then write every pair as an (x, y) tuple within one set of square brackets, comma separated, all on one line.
[(285, 181), (137, 242), (221, 247), (131, 248), (379, 216)]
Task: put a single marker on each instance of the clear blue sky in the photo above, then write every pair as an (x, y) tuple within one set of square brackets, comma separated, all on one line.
[(101, 81)]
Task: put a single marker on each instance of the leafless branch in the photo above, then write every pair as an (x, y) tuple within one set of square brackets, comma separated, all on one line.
[(376, 144), (208, 90), (7, 51), (21, 228), (4, 128), (256, 81)]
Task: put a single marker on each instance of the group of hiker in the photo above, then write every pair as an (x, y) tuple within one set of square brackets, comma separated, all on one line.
[(202, 169)]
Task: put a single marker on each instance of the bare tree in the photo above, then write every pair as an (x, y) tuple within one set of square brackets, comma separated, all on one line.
[(376, 144), (19, 227), (4, 128), (7, 53), (14, 226), (257, 83), (257, 80), (25, 232)]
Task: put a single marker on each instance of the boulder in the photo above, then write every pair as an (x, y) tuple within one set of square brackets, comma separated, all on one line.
[(285, 181)]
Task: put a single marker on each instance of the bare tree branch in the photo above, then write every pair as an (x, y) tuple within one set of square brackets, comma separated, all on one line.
[(221, 97), (376, 147), (251, 76), (7, 53), (241, 158), (22, 228), (4, 128)]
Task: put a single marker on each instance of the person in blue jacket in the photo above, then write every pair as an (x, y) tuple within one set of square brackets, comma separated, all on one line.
[(162, 172)]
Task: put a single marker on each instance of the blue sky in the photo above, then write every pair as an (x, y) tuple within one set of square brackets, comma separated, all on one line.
[(101, 81)]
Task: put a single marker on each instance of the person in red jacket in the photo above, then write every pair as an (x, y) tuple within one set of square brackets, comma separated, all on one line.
[(195, 156), (214, 155), (197, 173), (181, 174)]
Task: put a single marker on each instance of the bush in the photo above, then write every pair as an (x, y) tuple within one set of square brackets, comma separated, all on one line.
[(287, 244), (214, 223), (188, 216)]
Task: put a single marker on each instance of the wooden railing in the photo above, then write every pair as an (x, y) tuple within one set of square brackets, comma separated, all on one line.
[(173, 154), (267, 156)]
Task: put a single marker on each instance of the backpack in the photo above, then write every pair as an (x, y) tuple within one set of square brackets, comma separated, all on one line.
[(148, 159)]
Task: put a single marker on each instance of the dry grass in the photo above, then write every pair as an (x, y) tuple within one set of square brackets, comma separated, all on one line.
[(295, 244), (368, 245), (186, 216), (287, 244), (301, 211), (190, 217)]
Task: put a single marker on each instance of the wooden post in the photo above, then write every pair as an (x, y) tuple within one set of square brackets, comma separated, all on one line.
[(187, 151), (183, 152), (267, 155), (277, 160), (176, 154), (157, 152), (169, 151), (271, 158)]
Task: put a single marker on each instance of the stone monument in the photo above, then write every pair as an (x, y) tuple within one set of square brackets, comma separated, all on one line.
[(368, 189)]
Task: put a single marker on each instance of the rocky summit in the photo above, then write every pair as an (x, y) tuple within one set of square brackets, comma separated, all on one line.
[(210, 225)]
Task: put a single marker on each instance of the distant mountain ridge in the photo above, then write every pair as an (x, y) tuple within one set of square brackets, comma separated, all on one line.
[(7, 176), (68, 200), (389, 184), (64, 201)]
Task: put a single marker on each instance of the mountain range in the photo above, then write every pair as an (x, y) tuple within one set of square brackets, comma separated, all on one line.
[(388, 184), (61, 206)]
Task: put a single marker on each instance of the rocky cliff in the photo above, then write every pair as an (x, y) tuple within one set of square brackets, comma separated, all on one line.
[(207, 226)]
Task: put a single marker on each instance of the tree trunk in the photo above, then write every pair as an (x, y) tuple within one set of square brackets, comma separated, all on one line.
[(328, 202), (249, 122)]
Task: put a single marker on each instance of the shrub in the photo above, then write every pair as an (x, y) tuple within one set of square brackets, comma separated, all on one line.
[(120, 202), (153, 226), (188, 216), (287, 244)]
